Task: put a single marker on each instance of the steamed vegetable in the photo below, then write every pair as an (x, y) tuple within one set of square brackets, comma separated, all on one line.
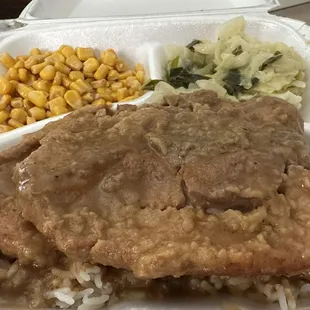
[(241, 66)]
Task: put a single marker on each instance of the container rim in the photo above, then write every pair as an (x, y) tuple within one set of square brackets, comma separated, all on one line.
[(27, 14)]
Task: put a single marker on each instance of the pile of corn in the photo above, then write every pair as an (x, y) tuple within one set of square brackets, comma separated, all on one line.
[(43, 85)]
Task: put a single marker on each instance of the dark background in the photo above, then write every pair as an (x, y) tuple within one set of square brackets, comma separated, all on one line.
[(12, 8)]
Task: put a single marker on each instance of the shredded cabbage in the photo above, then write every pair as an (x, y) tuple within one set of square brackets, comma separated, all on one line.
[(264, 68)]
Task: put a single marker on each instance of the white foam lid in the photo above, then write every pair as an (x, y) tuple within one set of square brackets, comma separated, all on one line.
[(63, 9)]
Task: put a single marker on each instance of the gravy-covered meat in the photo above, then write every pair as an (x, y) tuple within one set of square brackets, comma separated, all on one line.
[(193, 186), (19, 237)]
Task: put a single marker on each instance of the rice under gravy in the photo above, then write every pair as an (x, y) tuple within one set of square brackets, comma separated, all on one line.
[(89, 287)]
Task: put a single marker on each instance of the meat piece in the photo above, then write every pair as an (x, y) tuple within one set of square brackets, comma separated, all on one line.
[(131, 190), (18, 237), (220, 182)]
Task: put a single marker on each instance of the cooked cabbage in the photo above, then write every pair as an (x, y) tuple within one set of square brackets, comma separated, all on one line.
[(239, 66)]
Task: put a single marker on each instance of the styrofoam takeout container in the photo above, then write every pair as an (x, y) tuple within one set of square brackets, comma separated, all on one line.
[(138, 30)]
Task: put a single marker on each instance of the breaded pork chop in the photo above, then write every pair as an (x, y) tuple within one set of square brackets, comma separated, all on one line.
[(19, 237), (193, 186)]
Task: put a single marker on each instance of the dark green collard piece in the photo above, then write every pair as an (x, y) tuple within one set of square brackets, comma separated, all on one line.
[(191, 45), (276, 56)]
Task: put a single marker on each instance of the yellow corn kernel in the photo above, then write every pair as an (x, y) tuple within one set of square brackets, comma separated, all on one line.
[(59, 66), (111, 50), (5, 86), (35, 51), (5, 101), (31, 79), (98, 96), (113, 75), (115, 86), (12, 74), (59, 110), (36, 69), (108, 103), (140, 76), (22, 57), (58, 79), (84, 53), (57, 91), (76, 75), (19, 114), (74, 63), (135, 85), (39, 58), (130, 80), (102, 72), (5, 128), (17, 102), (89, 80), (59, 101), (47, 54), (125, 75), (58, 106), (7, 60), (37, 113), (38, 98), (23, 90), (108, 58), (81, 86), (13, 86), (104, 90), (42, 85), (121, 66), (99, 83), (14, 123), (91, 65), (114, 97), (66, 82), (19, 64), (105, 93), (121, 94), (23, 75), (55, 57), (49, 114), (74, 99), (89, 97), (61, 47), (67, 51), (31, 61), (3, 116), (88, 74), (99, 102), (30, 120), (27, 104), (48, 73)]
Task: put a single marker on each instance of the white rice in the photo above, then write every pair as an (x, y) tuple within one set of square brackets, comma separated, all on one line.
[(82, 287), (89, 294)]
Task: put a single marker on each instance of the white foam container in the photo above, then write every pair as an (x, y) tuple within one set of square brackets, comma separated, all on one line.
[(59, 9), (142, 37)]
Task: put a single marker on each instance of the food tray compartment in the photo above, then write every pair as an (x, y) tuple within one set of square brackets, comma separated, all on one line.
[(144, 41)]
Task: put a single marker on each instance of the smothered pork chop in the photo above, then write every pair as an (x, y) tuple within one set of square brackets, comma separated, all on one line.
[(19, 237), (196, 186)]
